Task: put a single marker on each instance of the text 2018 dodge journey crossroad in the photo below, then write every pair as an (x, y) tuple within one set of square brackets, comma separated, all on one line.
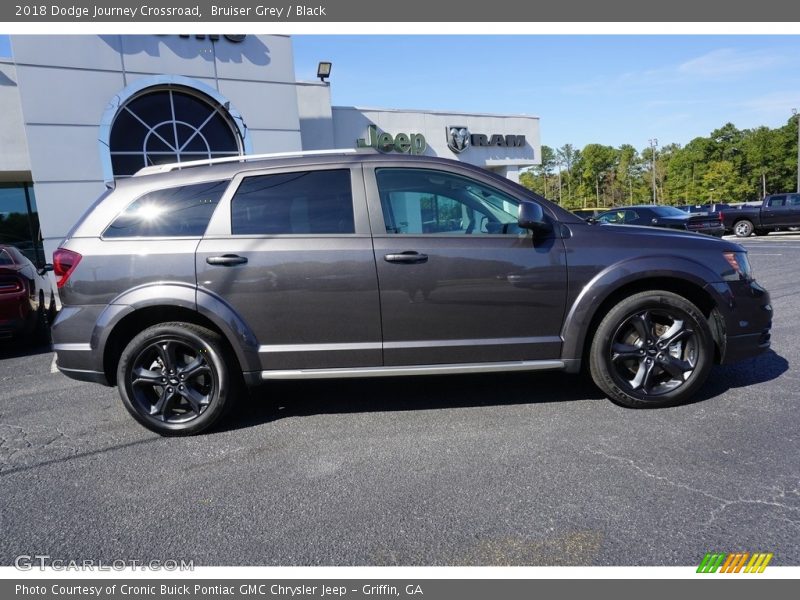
[(185, 282)]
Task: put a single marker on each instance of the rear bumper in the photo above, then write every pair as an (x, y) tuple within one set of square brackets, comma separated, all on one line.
[(77, 352), (10, 327), (16, 313), (715, 231)]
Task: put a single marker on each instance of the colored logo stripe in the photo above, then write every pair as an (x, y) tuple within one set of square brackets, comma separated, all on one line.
[(734, 562), (758, 563), (711, 562)]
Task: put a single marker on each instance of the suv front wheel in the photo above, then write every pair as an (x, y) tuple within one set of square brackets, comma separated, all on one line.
[(652, 349), (174, 379)]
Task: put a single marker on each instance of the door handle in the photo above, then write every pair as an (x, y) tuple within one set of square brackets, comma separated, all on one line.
[(408, 257), (227, 260)]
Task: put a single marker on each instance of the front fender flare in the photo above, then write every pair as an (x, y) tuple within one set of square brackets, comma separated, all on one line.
[(591, 298)]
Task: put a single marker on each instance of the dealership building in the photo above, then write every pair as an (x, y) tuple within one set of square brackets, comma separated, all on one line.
[(79, 111)]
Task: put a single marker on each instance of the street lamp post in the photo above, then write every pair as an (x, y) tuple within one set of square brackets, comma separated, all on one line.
[(653, 144)]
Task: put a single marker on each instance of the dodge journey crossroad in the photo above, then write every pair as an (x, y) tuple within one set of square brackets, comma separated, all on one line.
[(185, 283)]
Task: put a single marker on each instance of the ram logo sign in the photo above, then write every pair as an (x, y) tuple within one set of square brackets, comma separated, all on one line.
[(459, 138)]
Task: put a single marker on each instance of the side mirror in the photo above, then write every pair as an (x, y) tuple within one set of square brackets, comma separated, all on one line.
[(45, 268), (531, 216)]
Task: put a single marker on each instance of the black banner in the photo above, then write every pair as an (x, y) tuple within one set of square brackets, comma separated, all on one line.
[(333, 11), (360, 589)]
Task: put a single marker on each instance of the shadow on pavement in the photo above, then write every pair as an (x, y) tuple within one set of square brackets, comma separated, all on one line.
[(762, 368), (282, 399)]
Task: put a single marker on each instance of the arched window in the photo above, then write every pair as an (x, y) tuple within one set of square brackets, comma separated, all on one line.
[(170, 124)]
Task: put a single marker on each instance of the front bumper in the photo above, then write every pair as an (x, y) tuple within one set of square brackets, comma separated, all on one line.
[(746, 311)]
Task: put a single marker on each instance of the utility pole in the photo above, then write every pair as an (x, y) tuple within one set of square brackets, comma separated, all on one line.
[(653, 144), (794, 112), (558, 166)]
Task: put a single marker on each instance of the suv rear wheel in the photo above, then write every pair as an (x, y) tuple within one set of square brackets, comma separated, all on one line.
[(175, 380), (653, 349)]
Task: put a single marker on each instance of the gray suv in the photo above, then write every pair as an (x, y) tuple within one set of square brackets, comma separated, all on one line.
[(186, 283)]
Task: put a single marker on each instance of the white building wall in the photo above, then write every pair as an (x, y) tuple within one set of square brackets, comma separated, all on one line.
[(316, 118), (14, 163), (67, 82)]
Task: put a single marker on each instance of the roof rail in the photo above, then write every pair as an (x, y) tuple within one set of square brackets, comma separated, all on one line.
[(166, 168)]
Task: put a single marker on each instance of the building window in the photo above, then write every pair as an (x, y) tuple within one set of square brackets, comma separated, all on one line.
[(19, 221), (170, 124)]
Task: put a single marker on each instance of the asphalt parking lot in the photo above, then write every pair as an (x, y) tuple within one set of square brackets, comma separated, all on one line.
[(479, 470)]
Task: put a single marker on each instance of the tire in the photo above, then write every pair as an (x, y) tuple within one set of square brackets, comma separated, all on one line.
[(743, 228), (653, 349), (174, 378), (40, 325), (52, 310)]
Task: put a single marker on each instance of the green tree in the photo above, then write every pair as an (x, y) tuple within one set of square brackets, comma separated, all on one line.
[(598, 164), (567, 157)]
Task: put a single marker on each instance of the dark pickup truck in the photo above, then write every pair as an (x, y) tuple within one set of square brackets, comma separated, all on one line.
[(777, 211)]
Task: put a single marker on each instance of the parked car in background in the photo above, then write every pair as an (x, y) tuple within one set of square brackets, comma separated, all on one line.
[(776, 212), (669, 217), (188, 281), (27, 300), (588, 213)]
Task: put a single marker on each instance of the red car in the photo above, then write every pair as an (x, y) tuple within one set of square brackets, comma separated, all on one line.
[(27, 301)]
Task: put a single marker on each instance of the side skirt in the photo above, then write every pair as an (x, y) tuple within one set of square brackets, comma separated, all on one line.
[(413, 370)]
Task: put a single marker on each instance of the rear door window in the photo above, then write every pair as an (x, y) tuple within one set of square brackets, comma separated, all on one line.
[(304, 202)]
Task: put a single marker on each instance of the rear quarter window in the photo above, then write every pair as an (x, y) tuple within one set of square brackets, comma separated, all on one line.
[(171, 212)]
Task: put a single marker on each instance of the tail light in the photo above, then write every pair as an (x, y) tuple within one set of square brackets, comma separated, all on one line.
[(64, 263), (720, 217)]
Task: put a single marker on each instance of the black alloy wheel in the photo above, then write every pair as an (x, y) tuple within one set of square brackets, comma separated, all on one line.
[(652, 349), (174, 380)]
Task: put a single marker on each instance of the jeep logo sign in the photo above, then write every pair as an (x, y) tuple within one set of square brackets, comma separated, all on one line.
[(405, 143), (459, 139)]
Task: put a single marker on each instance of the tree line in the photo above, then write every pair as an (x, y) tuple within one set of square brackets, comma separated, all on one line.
[(730, 165)]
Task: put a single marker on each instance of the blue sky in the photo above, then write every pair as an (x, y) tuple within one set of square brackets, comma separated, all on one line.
[(586, 88), (604, 89)]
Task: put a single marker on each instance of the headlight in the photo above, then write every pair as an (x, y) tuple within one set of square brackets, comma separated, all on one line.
[(740, 266)]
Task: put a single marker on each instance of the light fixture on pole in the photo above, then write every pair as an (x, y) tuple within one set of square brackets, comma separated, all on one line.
[(653, 144), (324, 71)]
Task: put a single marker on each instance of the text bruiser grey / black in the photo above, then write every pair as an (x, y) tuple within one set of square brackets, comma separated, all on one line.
[(186, 282)]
